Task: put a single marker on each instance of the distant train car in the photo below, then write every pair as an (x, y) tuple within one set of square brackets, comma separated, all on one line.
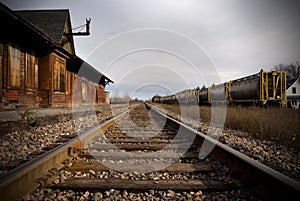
[(204, 98), (169, 99), (217, 93), (188, 96), (193, 96), (156, 99)]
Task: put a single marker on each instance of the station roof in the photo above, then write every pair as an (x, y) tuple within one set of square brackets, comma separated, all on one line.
[(51, 22)]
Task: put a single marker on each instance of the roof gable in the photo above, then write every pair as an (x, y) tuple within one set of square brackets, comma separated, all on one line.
[(296, 85), (54, 23)]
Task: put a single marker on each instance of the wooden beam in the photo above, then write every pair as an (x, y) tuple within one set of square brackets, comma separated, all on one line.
[(96, 185)]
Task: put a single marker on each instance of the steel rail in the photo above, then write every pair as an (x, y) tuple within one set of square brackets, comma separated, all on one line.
[(268, 182), (22, 180)]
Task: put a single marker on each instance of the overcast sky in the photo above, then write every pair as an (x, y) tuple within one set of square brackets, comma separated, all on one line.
[(152, 47)]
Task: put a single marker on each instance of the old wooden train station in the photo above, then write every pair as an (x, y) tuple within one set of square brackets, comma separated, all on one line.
[(38, 63)]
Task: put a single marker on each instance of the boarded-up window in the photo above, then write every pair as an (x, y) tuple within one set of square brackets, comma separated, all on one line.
[(73, 76), (84, 92), (59, 75), (70, 82), (96, 94), (1, 67), (30, 71), (14, 63)]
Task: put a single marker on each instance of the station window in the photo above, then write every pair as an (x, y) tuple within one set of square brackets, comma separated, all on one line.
[(14, 63), (84, 90), (294, 90), (59, 75), (70, 82), (30, 70)]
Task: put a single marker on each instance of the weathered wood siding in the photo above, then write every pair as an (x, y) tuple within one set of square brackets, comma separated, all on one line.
[(70, 78), (101, 96), (52, 80), (67, 41), (44, 73), (19, 81), (44, 81), (107, 97), (58, 98), (87, 92), (44, 98), (1, 69)]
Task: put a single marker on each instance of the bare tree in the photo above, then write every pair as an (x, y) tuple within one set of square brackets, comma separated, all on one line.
[(115, 96), (292, 70), (126, 96)]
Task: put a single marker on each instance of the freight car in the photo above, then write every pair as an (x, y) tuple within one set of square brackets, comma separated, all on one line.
[(188, 96), (263, 88)]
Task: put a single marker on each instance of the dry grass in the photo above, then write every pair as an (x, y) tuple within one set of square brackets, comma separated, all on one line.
[(276, 124)]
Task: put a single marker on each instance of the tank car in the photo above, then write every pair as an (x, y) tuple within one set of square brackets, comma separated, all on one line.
[(156, 99), (260, 89), (193, 96), (181, 97), (169, 99), (203, 96), (217, 93), (188, 96), (245, 90)]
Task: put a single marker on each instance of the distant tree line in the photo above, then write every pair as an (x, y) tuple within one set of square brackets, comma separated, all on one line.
[(117, 98), (292, 71)]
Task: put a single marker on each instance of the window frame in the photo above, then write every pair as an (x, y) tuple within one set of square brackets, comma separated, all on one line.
[(14, 66), (30, 69), (59, 75)]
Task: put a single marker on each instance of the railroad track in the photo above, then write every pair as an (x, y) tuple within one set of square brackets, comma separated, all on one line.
[(145, 155), (23, 175), (28, 138)]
